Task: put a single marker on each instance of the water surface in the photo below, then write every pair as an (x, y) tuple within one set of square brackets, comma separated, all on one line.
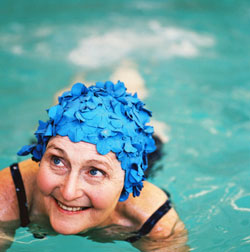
[(193, 59)]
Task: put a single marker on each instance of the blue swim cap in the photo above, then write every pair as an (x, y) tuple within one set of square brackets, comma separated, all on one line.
[(105, 115)]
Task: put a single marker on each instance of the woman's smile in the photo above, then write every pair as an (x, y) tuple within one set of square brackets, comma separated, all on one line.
[(70, 209)]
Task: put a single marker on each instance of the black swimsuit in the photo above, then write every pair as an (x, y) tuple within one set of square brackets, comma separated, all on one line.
[(21, 196), (24, 213), (151, 221)]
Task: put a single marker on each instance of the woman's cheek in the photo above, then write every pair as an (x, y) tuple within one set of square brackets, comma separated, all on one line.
[(105, 198), (45, 182)]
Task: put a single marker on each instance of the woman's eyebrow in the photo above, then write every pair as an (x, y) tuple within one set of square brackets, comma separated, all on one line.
[(54, 147), (100, 162)]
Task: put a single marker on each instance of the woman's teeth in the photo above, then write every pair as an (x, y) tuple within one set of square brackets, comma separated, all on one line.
[(71, 209)]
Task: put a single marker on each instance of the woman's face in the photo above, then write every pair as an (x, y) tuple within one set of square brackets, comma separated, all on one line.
[(80, 187)]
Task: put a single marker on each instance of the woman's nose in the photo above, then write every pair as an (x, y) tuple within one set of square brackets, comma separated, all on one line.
[(70, 188)]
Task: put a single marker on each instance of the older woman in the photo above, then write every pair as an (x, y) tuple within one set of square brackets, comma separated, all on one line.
[(86, 174)]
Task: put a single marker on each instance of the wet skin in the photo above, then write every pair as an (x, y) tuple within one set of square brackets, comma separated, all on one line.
[(80, 188)]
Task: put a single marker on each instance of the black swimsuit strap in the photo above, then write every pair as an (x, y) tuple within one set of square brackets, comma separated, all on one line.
[(21, 196), (150, 223)]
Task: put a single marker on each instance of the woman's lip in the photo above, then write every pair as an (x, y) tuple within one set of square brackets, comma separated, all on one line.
[(69, 209)]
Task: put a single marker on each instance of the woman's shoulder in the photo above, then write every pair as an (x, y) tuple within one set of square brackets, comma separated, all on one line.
[(150, 199), (8, 199), (144, 206), (8, 204), (28, 169)]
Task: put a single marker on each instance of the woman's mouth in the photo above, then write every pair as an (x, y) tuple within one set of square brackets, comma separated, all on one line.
[(70, 208)]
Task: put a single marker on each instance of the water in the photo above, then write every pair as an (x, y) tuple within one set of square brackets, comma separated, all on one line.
[(192, 57)]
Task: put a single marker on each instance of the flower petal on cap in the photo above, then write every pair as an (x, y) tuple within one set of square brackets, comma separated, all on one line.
[(79, 116), (49, 130), (129, 148), (103, 147), (26, 149), (88, 115), (78, 89), (137, 189), (149, 129), (116, 123), (55, 113), (99, 84), (42, 127), (119, 89)]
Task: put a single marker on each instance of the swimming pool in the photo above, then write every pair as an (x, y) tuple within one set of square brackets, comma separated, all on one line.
[(190, 57)]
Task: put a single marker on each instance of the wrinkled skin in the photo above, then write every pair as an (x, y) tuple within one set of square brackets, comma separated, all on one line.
[(90, 180)]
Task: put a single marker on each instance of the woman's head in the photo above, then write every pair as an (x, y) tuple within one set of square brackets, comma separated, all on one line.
[(107, 116), (80, 187)]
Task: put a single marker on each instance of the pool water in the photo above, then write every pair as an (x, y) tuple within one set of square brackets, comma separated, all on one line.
[(191, 58)]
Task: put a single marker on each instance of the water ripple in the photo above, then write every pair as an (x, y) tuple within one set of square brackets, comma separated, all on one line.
[(237, 197)]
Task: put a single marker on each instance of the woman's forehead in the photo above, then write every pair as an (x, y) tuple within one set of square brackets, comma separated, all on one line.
[(64, 144)]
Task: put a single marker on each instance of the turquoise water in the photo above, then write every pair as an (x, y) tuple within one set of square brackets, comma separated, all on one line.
[(193, 57)]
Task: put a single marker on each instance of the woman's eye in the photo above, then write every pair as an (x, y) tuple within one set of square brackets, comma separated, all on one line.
[(95, 172), (57, 161)]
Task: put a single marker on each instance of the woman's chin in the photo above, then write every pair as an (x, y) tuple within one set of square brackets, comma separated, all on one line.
[(65, 228), (66, 222)]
